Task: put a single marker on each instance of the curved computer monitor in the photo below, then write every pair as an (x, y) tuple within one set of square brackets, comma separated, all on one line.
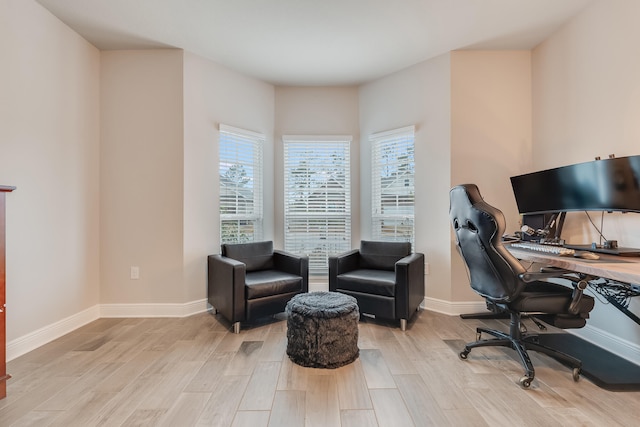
[(601, 185)]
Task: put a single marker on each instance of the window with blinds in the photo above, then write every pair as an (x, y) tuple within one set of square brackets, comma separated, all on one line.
[(317, 197), (393, 185), (240, 171)]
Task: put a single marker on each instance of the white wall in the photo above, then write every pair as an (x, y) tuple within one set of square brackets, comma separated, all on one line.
[(141, 176), (491, 130), (49, 145), (214, 94), (420, 96), (491, 134), (587, 103), (315, 111), (161, 110)]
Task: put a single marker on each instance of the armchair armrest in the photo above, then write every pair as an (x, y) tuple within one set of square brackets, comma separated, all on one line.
[(293, 264), (411, 263), (409, 284), (226, 281), (347, 261), (342, 263)]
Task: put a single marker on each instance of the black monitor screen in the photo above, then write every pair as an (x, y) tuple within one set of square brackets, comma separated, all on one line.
[(605, 185)]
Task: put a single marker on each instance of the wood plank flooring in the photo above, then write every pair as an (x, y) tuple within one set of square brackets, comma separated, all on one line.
[(194, 372)]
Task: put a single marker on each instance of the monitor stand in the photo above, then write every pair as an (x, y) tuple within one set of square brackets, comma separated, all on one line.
[(600, 249)]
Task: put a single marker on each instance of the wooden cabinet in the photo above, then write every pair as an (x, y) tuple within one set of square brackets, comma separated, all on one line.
[(3, 330)]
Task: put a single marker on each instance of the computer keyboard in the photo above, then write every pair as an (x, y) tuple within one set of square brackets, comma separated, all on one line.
[(547, 249)]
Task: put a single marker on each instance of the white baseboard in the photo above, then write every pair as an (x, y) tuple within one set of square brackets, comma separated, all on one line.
[(42, 336), (611, 343), (454, 308), (153, 310)]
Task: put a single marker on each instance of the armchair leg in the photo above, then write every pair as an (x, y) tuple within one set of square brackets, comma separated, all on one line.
[(403, 324), (236, 328)]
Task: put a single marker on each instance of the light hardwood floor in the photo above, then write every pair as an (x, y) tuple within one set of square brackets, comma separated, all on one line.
[(194, 372)]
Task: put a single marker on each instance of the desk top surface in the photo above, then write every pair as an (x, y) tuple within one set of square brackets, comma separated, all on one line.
[(623, 269)]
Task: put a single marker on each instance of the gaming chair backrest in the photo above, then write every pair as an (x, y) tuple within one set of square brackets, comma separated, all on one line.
[(493, 271)]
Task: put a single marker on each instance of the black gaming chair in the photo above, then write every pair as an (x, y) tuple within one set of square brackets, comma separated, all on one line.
[(500, 278)]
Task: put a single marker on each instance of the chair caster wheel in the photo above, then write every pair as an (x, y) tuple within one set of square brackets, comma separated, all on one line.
[(463, 355), (576, 374), (525, 382)]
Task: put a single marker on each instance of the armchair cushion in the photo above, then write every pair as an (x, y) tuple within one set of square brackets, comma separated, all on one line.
[(382, 255), (377, 282), (266, 283)]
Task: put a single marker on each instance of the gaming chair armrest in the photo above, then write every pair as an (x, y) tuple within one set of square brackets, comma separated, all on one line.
[(579, 284), (546, 273)]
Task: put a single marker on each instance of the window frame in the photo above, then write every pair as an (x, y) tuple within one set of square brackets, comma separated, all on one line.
[(330, 226), (393, 144), (252, 218)]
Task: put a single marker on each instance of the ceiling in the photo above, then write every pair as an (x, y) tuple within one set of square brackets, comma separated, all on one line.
[(315, 42)]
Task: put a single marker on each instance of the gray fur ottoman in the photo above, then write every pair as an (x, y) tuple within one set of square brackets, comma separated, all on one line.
[(322, 329)]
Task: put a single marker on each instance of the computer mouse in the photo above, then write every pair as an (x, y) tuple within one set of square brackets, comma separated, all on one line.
[(586, 255)]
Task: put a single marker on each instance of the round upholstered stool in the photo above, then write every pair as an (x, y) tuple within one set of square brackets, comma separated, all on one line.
[(322, 329)]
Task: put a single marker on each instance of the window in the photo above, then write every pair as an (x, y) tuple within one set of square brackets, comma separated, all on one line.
[(317, 197), (240, 185), (393, 185)]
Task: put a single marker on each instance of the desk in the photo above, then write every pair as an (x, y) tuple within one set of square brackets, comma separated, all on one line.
[(621, 274), (621, 269), (604, 368)]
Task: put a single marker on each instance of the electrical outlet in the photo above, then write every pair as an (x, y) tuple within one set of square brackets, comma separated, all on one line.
[(426, 268), (135, 272)]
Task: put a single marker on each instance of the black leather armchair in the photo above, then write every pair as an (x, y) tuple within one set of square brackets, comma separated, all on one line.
[(499, 277), (385, 278), (252, 280)]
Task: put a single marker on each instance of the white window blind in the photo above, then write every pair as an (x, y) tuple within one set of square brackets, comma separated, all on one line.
[(393, 185), (240, 171), (317, 198)]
